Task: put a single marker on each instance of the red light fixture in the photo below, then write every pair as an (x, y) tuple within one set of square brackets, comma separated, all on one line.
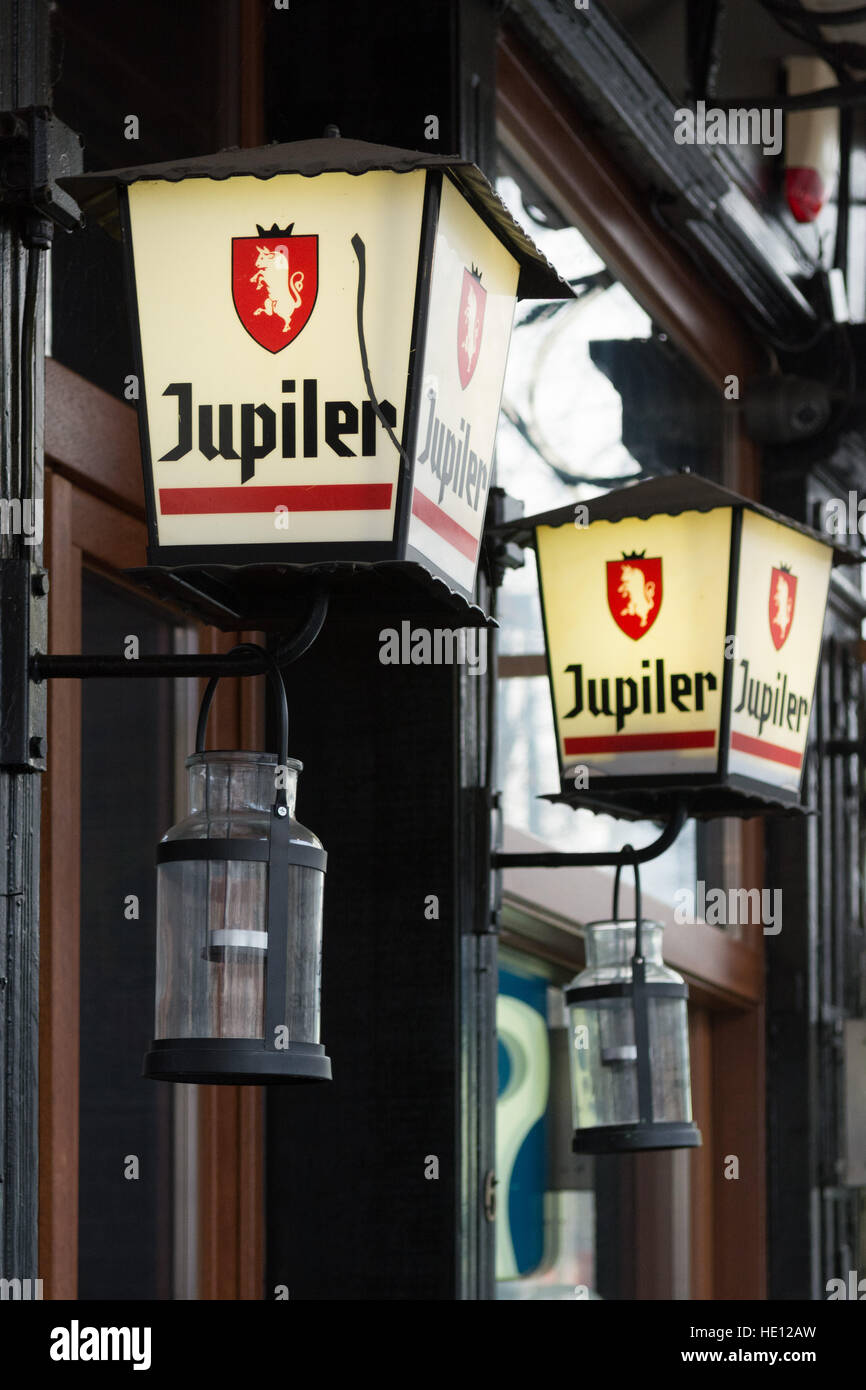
[(805, 192), (811, 141)]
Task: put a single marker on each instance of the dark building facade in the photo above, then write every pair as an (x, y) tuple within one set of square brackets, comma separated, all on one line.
[(708, 333)]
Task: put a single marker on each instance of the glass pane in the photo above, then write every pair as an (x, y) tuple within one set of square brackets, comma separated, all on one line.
[(210, 952), (560, 440)]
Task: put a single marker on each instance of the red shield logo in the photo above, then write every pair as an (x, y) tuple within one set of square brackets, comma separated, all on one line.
[(634, 593), (470, 324), (783, 595), (275, 282)]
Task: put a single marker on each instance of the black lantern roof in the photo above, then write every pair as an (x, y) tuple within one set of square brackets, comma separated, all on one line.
[(238, 597), (538, 279), (669, 496)]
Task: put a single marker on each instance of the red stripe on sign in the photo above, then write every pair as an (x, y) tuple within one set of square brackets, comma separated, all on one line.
[(444, 525), (322, 497), (759, 748), (641, 743)]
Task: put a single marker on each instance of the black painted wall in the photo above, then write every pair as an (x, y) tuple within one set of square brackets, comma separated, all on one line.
[(350, 1213), (378, 72), (168, 65), (125, 1223)]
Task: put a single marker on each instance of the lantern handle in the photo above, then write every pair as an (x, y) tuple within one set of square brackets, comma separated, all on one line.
[(638, 935), (279, 688)]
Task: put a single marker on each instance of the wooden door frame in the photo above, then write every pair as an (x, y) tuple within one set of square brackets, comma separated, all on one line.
[(95, 520)]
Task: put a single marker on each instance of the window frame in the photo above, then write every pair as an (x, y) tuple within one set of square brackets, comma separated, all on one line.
[(95, 520), (540, 128)]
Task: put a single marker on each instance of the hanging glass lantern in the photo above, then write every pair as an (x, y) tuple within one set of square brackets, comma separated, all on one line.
[(628, 1024), (239, 924)]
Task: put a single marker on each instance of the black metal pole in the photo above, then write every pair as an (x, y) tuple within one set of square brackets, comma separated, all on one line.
[(118, 667), (23, 83)]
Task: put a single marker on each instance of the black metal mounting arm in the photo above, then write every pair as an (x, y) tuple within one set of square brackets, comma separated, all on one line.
[(239, 663), (615, 858), (35, 150)]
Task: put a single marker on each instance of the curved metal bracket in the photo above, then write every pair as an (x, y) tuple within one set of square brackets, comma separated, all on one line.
[(554, 859), (240, 663), (288, 649)]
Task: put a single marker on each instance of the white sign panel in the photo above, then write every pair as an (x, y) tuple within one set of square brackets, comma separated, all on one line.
[(634, 614), (261, 431), (782, 589), (473, 292)]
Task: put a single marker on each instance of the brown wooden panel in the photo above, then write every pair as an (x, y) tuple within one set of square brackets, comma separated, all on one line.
[(704, 1163), (740, 1251), (577, 172), (83, 527), (674, 1227), (251, 1107), (534, 664), (219, 1105), (717, 966), (59, 917), (111, 538), (251, 1194), (231, 1206), (248, 60), (653, 1219), (92, 438), (218, 1192)]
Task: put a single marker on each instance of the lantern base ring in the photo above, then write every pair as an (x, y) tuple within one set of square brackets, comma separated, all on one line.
[(609, 1139), (235, 1061)]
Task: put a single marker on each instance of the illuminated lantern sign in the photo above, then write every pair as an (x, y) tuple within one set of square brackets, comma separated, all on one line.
[(683, 628), (323, 330)]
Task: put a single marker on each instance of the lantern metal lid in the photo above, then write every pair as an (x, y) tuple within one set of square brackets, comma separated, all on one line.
[(670, 494), (97, 192), (321, 331), (668, 606)]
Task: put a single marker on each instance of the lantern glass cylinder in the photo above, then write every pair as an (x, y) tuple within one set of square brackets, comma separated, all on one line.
[(603, 1052), (212, 914)]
